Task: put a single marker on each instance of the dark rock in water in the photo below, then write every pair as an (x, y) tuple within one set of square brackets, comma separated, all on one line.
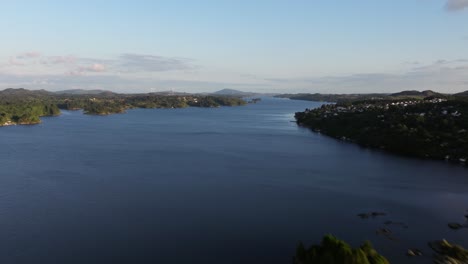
[(447, 253), (466, 216), (363, 215), (456, 226), (371, 214), (414, 252), (375, 214), (396, 223), (384, 231), (387, 233)]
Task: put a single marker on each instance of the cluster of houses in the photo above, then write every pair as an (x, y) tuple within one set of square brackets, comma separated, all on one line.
[(335, 110), (8, 123), (190, 99)]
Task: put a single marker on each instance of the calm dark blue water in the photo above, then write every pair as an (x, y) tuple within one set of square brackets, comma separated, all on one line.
[(226, 185)]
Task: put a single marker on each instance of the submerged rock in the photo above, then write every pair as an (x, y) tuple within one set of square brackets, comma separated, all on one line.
[(403, 225), (371, 214), (456, 226), (387, 233), (384, 231), (363, 215), (375, 214)]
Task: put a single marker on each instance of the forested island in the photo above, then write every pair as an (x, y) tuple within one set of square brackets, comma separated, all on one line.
[(348, 98), (434, 127), (21, 106)]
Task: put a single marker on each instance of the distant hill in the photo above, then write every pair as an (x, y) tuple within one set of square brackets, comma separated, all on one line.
[(21, 92), (414, 93), (83, 91), (232, 92), (170, 93), (465, 93), (332, 97)]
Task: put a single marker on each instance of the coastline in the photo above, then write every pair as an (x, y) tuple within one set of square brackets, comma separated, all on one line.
[(412, 129)]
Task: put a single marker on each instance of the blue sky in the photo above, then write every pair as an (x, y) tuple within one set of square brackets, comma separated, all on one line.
[(267, 46)]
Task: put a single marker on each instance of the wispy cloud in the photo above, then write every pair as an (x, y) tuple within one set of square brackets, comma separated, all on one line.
[(127, 72), (53, 60), (448, 76), (456, 5), (29, 55), (142, 73), (124, 84), (13, 61), (124, 63), (23, 58), (411, 63), (150, 63), (94, 68)]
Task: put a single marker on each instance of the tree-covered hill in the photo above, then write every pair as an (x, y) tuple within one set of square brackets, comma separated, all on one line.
[(462, 94), (348, 98), (434, 128), (21, 106)]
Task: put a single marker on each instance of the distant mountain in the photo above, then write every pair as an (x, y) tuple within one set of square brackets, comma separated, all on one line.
[(232, 92), (83, 91), (413, 93)]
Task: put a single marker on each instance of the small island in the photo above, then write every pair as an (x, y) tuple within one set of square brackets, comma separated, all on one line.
[(25, 107), (433, 127)]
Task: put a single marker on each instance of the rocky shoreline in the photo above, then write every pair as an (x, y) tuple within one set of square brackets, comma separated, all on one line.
[(10, 123), (444, 252)]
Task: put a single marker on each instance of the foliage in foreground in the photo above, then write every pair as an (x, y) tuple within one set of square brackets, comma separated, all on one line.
[(335, 251), (449, 253)]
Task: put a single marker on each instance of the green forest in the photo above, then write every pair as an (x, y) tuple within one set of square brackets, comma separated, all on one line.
[(26, 112), (21, 106), (429, 128)]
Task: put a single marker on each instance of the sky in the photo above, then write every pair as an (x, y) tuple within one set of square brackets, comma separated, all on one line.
[(278, 46)]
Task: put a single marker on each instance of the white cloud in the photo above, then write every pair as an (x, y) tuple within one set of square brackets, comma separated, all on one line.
[(23, 58), (125, 63), (94, 68), (52, 60)]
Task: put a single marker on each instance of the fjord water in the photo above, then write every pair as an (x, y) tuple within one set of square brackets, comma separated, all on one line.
[(197, 185)]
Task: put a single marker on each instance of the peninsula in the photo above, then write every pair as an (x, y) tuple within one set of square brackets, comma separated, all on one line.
[(433, 127)]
